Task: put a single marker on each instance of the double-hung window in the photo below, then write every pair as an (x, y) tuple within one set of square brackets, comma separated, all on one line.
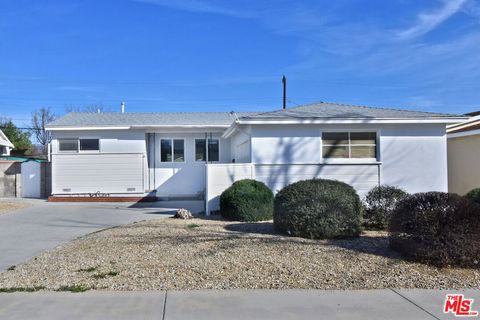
[(349, 145), (172, 150), (201, 150)]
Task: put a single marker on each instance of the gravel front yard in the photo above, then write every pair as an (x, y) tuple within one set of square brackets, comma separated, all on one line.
[(198, 254), (6, 206)]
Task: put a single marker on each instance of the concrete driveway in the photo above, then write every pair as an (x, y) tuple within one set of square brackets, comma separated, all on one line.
[(26, 233)]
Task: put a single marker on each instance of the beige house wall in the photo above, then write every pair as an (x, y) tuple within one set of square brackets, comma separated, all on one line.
[(463, 164)]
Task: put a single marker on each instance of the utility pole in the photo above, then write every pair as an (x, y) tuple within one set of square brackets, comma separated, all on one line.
[(284, 80)]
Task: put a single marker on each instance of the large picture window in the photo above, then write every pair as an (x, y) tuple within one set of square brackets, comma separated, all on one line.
[(201, 150), (349, 145), (172, 150)]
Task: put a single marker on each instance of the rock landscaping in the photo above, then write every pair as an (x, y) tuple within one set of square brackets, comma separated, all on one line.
[(216, 254), (183, 214)]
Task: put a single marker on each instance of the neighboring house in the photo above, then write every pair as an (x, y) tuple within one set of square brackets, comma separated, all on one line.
[(5, 145), (463, 155), (198, 155)]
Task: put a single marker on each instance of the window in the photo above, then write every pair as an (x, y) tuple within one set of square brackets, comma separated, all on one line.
[(349, 145), (178, 151), (68, 145), (89, 144), (200, 146), (213, 150), (172, 150)]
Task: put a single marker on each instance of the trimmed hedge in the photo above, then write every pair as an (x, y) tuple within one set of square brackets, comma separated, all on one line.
[(318, 209), (379, 205), (247, 200), (474, 195), (437, 228)]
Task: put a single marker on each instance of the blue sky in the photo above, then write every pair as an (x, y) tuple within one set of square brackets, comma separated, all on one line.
[(210, 55)]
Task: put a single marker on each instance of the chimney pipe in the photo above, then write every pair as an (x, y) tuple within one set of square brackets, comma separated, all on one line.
[(284, 80), (123, 106)]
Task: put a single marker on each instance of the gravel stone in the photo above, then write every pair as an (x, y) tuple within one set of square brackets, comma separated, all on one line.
[(168, 254)]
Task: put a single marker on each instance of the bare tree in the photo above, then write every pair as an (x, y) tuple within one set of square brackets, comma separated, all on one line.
[(40, 118)]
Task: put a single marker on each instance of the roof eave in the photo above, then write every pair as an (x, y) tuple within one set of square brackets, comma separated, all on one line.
[(73, 128), (446, 120), (146, 127)]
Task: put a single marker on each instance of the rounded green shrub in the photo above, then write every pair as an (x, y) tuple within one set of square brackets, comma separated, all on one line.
[(318, 209), (474, 195), (247, 200), (437, 228), (379, 204)]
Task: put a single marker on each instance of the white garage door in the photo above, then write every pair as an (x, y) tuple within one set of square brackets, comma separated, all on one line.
[(105, 173)]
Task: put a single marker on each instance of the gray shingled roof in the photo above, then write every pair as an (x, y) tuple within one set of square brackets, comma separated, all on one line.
[(335, 110), (317, 110), (86, 119)]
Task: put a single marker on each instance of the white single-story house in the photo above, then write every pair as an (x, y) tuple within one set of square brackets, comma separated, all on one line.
[(463, 146), (5, 145), (198, 155)]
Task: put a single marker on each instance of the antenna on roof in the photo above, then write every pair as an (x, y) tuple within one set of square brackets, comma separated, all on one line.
[(123, 106), (284, 80)]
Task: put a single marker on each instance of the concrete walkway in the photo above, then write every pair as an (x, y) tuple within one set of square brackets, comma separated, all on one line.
[(27, 232), (232, 304)]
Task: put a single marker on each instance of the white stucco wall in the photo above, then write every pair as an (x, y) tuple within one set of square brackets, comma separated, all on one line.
[(241, 146), (414, 157), (111, 141), (182, 179), (411, 156)]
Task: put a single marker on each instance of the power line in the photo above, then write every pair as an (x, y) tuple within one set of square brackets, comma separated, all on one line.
[(23, 128)]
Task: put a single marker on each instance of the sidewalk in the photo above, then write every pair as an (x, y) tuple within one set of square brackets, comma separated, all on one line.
[(231, 304)]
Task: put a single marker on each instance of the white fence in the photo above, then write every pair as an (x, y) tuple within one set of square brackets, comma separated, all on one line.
[(220, 177), (362, 177)]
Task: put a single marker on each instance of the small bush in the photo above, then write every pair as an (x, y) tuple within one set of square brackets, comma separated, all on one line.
[(437, 228), (318, 209), (247, 200), (379, 205), (474, 195)]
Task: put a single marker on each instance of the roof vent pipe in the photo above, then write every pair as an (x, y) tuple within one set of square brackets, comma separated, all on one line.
[(284, 80), (123, 106)]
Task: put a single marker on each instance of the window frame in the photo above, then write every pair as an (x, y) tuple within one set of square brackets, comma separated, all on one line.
[(172, 149), (350, 158), (206, 150)]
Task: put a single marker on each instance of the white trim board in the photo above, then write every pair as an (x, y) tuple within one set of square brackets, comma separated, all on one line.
[(462, 134)]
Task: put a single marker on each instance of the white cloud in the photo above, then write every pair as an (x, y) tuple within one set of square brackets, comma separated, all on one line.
[(198, 6), (428, 21)]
